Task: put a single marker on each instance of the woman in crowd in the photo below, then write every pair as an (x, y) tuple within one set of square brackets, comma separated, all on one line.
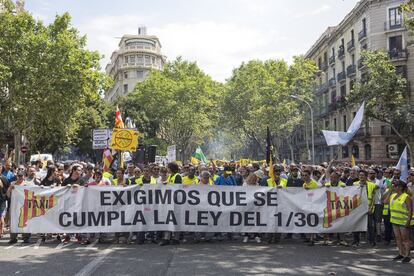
[(52, 177), (401, 207)]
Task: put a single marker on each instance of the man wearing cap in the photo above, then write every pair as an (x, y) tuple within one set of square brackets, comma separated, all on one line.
[(294, 180)]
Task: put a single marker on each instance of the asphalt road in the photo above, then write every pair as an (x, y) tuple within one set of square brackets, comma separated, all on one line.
[(290, 257)]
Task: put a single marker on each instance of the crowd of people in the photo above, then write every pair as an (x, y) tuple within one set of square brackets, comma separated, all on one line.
[(390, 200)]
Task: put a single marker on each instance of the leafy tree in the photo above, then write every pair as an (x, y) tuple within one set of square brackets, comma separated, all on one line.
[(176, 105), (258, 95), (386, 96), (47, 77), (408, 8)]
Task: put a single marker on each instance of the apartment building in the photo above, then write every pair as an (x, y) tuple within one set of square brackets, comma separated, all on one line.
[(132, 62), (372, 25)]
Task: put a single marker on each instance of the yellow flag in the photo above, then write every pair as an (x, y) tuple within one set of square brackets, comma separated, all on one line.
[(353, 160), (194, 161)]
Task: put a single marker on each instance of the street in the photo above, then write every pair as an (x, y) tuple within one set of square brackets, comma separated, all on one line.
[(290, 257)]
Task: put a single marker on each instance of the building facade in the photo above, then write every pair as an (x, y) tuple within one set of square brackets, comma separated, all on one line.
[(132, 62), (371, 25)]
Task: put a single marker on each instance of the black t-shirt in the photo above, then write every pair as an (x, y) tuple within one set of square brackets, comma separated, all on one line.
[(294, 182), (47, 182), (70, 181)]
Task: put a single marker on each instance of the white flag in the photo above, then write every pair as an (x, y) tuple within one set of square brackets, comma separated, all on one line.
[(403, 165), (334, 138)]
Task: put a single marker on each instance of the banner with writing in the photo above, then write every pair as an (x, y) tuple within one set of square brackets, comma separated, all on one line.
[(190, 208)]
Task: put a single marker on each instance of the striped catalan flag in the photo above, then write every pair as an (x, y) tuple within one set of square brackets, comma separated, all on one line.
[(338, 207), (34, 206)]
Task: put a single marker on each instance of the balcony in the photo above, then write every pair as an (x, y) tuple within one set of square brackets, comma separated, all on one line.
[(351, 70), (322, 88), (392, 26), (350, 46), (341, 52), (340, 101), (362, 35), (332, 82), (361, 64), (324, 66), (398, 54), (332, 60), (341, 76)]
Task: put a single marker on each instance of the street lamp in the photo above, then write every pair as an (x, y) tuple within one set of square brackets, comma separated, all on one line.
[(313, 136)]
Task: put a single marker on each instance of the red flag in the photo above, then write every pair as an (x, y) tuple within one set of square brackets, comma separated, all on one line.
[(107, 160), (118, 119)]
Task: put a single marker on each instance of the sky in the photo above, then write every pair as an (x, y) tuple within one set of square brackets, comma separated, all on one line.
[(217, 34)]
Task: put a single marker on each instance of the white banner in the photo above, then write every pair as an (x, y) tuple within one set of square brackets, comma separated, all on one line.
[(192, 208)]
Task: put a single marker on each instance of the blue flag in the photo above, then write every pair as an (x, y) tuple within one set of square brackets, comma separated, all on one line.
[(403, 165), (334, 138)]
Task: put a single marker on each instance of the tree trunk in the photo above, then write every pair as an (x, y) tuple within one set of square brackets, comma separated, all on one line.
[(292, 156), (17, 146)]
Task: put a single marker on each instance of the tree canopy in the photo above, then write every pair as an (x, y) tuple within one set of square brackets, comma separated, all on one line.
[(386, 95), (47, 78), (177, 105)]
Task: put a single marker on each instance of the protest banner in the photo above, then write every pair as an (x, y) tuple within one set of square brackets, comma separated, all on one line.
[(193, 208)]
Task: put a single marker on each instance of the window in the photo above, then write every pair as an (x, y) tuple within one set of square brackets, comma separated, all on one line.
[(364, 25), (367, 151), (343, 43), (153, 60), (343, 66), (333, 51), (352, 35), (132, 58), (126, 59), (355, 151), (345, 152), (125, 75), (344, 122), (319, 63), (125, 88), (335, 124), (343, 91), (396, 43), (395, 17), (333, 96), (140, 59), (353, 59), (383, 130), (147, 59), (140, 74)]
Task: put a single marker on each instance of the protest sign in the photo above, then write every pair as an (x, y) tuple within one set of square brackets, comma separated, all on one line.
[(193, 208)]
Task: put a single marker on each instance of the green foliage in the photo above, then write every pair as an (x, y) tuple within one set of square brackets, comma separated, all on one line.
[(386, 95), (258, 95), (408, 9), (48, 79), (177, 105)]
